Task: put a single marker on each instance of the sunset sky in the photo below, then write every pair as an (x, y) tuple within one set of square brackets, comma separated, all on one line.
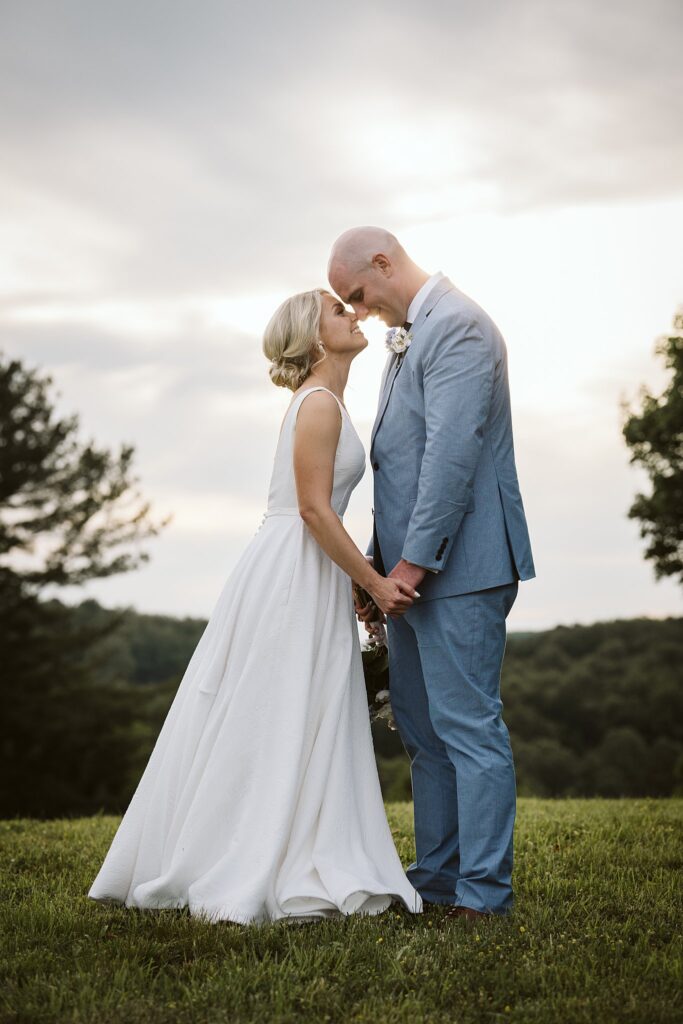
[(171, 171)]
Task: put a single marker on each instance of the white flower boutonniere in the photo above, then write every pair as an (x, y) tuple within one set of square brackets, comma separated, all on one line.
[(398, 339)]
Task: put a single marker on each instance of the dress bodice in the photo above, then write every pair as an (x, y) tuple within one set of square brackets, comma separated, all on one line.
[(349, 462)]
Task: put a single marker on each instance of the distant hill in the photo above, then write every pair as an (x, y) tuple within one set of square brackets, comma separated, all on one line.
[(592, 711), (155, 648)]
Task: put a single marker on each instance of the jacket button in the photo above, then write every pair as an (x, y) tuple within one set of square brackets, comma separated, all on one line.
[(439, 556), (375, 465)]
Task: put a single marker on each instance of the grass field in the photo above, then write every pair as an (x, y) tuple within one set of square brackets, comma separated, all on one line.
[(594, 937)]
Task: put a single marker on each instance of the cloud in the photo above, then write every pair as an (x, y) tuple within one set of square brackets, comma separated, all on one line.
[(222, 147)]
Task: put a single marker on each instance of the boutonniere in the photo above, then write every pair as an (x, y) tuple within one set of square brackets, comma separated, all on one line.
[(398, 339)]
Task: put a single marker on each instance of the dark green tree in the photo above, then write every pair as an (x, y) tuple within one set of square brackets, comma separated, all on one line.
[(69, 512), (655, 436)]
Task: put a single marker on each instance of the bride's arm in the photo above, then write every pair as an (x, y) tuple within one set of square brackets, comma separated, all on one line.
[(316, 435)]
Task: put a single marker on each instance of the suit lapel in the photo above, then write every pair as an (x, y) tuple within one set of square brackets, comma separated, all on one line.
[(439, 289), (391, 358), (393, 369)]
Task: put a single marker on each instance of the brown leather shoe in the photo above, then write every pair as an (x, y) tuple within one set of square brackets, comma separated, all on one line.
[(468, 913)]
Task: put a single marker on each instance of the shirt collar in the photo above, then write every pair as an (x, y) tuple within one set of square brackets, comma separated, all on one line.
[(421, 296)]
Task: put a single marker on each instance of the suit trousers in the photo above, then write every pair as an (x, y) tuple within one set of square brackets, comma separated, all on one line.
[(445, 659)]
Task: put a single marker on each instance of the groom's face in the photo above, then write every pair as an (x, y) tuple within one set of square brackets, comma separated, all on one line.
[(371, 293)]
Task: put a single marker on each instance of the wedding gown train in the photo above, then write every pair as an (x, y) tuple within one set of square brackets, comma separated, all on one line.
[(261, 799)]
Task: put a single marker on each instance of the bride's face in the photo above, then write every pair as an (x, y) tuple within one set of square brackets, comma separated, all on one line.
[(339, 330)]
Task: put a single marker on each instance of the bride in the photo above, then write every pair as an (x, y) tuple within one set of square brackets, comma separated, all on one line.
[(261, 799)]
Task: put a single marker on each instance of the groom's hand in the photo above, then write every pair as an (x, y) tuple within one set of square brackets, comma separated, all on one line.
[(366, 609), (408, 572)]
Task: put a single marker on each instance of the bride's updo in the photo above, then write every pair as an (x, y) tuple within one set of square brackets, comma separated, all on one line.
[(291, 340)]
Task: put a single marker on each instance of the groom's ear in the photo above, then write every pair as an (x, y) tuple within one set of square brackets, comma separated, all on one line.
[(383, 264)]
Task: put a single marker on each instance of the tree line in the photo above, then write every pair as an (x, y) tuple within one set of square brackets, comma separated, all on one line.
[(592, 711)]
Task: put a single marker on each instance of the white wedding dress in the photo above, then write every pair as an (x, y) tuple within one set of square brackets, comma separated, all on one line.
[(261, 798)]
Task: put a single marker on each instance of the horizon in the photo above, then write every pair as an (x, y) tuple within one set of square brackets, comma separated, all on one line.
[(510, 632)]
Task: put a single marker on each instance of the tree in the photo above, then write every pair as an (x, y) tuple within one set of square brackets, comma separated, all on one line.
[(69, 507), (655, 436), (68, 513)]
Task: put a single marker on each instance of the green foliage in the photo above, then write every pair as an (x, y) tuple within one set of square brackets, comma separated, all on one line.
[(394, 777), (69, 506), (64, 745), (68, 513), (146, 649), (655, 436), (596, 710), (594, 937)]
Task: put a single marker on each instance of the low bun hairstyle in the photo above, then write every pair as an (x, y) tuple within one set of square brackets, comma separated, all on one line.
[(291, 340)]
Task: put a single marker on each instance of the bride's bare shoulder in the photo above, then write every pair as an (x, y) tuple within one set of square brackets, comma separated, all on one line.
[(320, 411)]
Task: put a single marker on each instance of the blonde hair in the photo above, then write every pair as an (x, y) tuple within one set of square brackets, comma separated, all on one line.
[(291, 340)]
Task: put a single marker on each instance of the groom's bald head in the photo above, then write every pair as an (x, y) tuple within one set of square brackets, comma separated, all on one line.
[(370, 269), (357, 247)]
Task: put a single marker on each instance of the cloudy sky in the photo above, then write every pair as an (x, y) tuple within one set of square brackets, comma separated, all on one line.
[(172, 170)]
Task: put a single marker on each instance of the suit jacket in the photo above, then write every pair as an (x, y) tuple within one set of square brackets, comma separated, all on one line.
[(446, 493)]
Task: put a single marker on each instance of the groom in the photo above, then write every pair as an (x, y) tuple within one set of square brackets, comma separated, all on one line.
[(449, 520)]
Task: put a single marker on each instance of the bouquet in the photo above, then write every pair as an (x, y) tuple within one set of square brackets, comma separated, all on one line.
[(376, 668)]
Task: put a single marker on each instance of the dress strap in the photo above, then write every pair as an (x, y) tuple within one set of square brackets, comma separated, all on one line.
[(320, 387)]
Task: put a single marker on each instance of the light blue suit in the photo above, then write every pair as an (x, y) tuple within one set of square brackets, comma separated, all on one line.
[(447, 498)]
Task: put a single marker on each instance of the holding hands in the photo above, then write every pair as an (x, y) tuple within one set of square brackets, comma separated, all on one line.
[(392, 595)]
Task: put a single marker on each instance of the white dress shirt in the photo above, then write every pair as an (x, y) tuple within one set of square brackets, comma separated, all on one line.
[(420, 297)]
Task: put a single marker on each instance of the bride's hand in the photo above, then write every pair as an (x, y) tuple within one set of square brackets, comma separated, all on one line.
[(393, 596)]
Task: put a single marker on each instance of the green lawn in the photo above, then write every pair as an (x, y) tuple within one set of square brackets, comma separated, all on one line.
[(593, 937)]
